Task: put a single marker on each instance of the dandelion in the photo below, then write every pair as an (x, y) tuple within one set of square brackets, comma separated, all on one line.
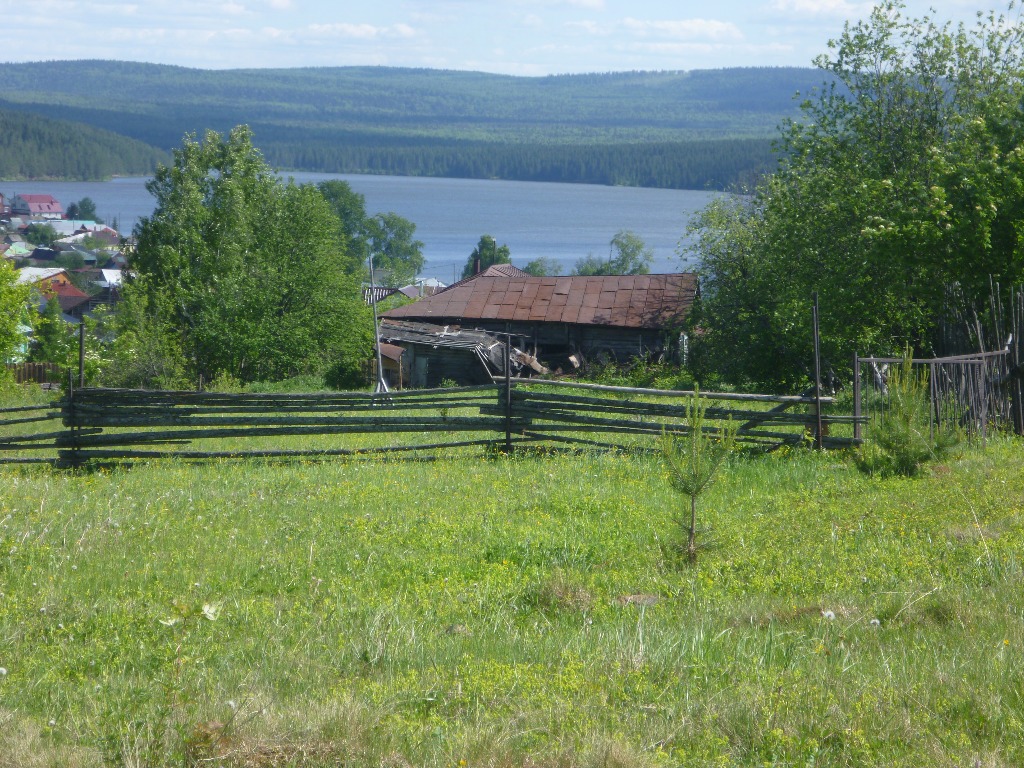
[(828, 615), (3, 671), (875, 623)]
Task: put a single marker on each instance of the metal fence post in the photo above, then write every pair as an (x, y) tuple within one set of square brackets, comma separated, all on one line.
[(508, 394), (857, 430), (81, 355)]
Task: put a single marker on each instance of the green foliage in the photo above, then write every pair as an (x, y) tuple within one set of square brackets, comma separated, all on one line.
[(904, 435), (693, 459), (387, 236), (902, 178), (642, 373), (300, 384), (41, 234), (543, 266), (84, 209), (488, 253), (146, 351), (247, 269), (627, 255), (55, 340), (37, 147), (350, 208), (13, 312), (394, 248)]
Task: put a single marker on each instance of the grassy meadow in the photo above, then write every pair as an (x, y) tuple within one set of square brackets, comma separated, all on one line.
[(480, 610)]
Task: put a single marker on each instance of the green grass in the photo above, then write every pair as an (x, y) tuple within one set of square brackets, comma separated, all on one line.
[(512, 612)]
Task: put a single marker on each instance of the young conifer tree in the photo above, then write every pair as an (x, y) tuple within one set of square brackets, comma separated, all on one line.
[(693, 458)]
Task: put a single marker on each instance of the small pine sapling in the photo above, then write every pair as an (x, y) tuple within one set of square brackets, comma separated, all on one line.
[(903, 436), (693, 457)]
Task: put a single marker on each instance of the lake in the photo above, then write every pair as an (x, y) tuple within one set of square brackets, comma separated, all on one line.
[(564, 222)]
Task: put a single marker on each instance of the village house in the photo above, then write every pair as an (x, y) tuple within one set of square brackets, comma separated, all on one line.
[(37, 207), (556, 323)]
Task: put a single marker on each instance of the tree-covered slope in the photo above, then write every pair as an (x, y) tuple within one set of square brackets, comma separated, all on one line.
[(436, 122), (34, 147)]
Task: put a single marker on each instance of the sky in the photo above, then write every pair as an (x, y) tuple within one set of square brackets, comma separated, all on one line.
[(515, 37)]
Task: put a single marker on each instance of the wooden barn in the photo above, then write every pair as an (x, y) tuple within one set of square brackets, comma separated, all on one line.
[(559, 322)]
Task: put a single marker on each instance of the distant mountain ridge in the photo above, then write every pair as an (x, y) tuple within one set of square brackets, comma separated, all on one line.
[(706, 128)]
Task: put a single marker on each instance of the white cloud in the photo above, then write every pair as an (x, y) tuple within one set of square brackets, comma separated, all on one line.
[(839, 8), (361, 31), (280, 5), (593, 5), (588, 28), (685, 29)]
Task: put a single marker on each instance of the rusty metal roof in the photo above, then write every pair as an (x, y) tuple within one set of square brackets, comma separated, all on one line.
[(625, 301), (495, 270)]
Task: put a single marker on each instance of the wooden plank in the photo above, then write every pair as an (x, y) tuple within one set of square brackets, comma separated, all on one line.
[(86, 411), (539, 400), (31, 420), (171, 420), (754, 398), (27, 408), (87, 454), (191, 435)]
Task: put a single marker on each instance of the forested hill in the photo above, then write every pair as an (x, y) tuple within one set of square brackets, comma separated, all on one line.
[(707, 128), (34, 147)]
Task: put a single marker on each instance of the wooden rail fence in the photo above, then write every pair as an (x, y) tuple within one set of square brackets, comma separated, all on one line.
[(119, 424), (973, 393)]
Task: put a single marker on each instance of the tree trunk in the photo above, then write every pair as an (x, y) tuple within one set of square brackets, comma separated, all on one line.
[(691, 549)]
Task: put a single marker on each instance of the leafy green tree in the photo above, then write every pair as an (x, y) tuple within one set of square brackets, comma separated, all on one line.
[(394, 248), (543, 266), (55, 340), (84, 209), (13, 303), (146, 350), (246, 269), (388, 236), (627, 255), (488, 253), (350, 208), (41, 234), (902, 178)]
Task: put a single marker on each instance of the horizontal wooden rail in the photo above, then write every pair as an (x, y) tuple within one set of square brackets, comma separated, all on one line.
[(753, 398), (121, 424)]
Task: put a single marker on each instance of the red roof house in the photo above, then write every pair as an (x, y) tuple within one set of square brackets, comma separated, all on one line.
[(37, 207)]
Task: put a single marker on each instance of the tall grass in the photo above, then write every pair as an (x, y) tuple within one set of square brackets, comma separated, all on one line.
[(512, 612)]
